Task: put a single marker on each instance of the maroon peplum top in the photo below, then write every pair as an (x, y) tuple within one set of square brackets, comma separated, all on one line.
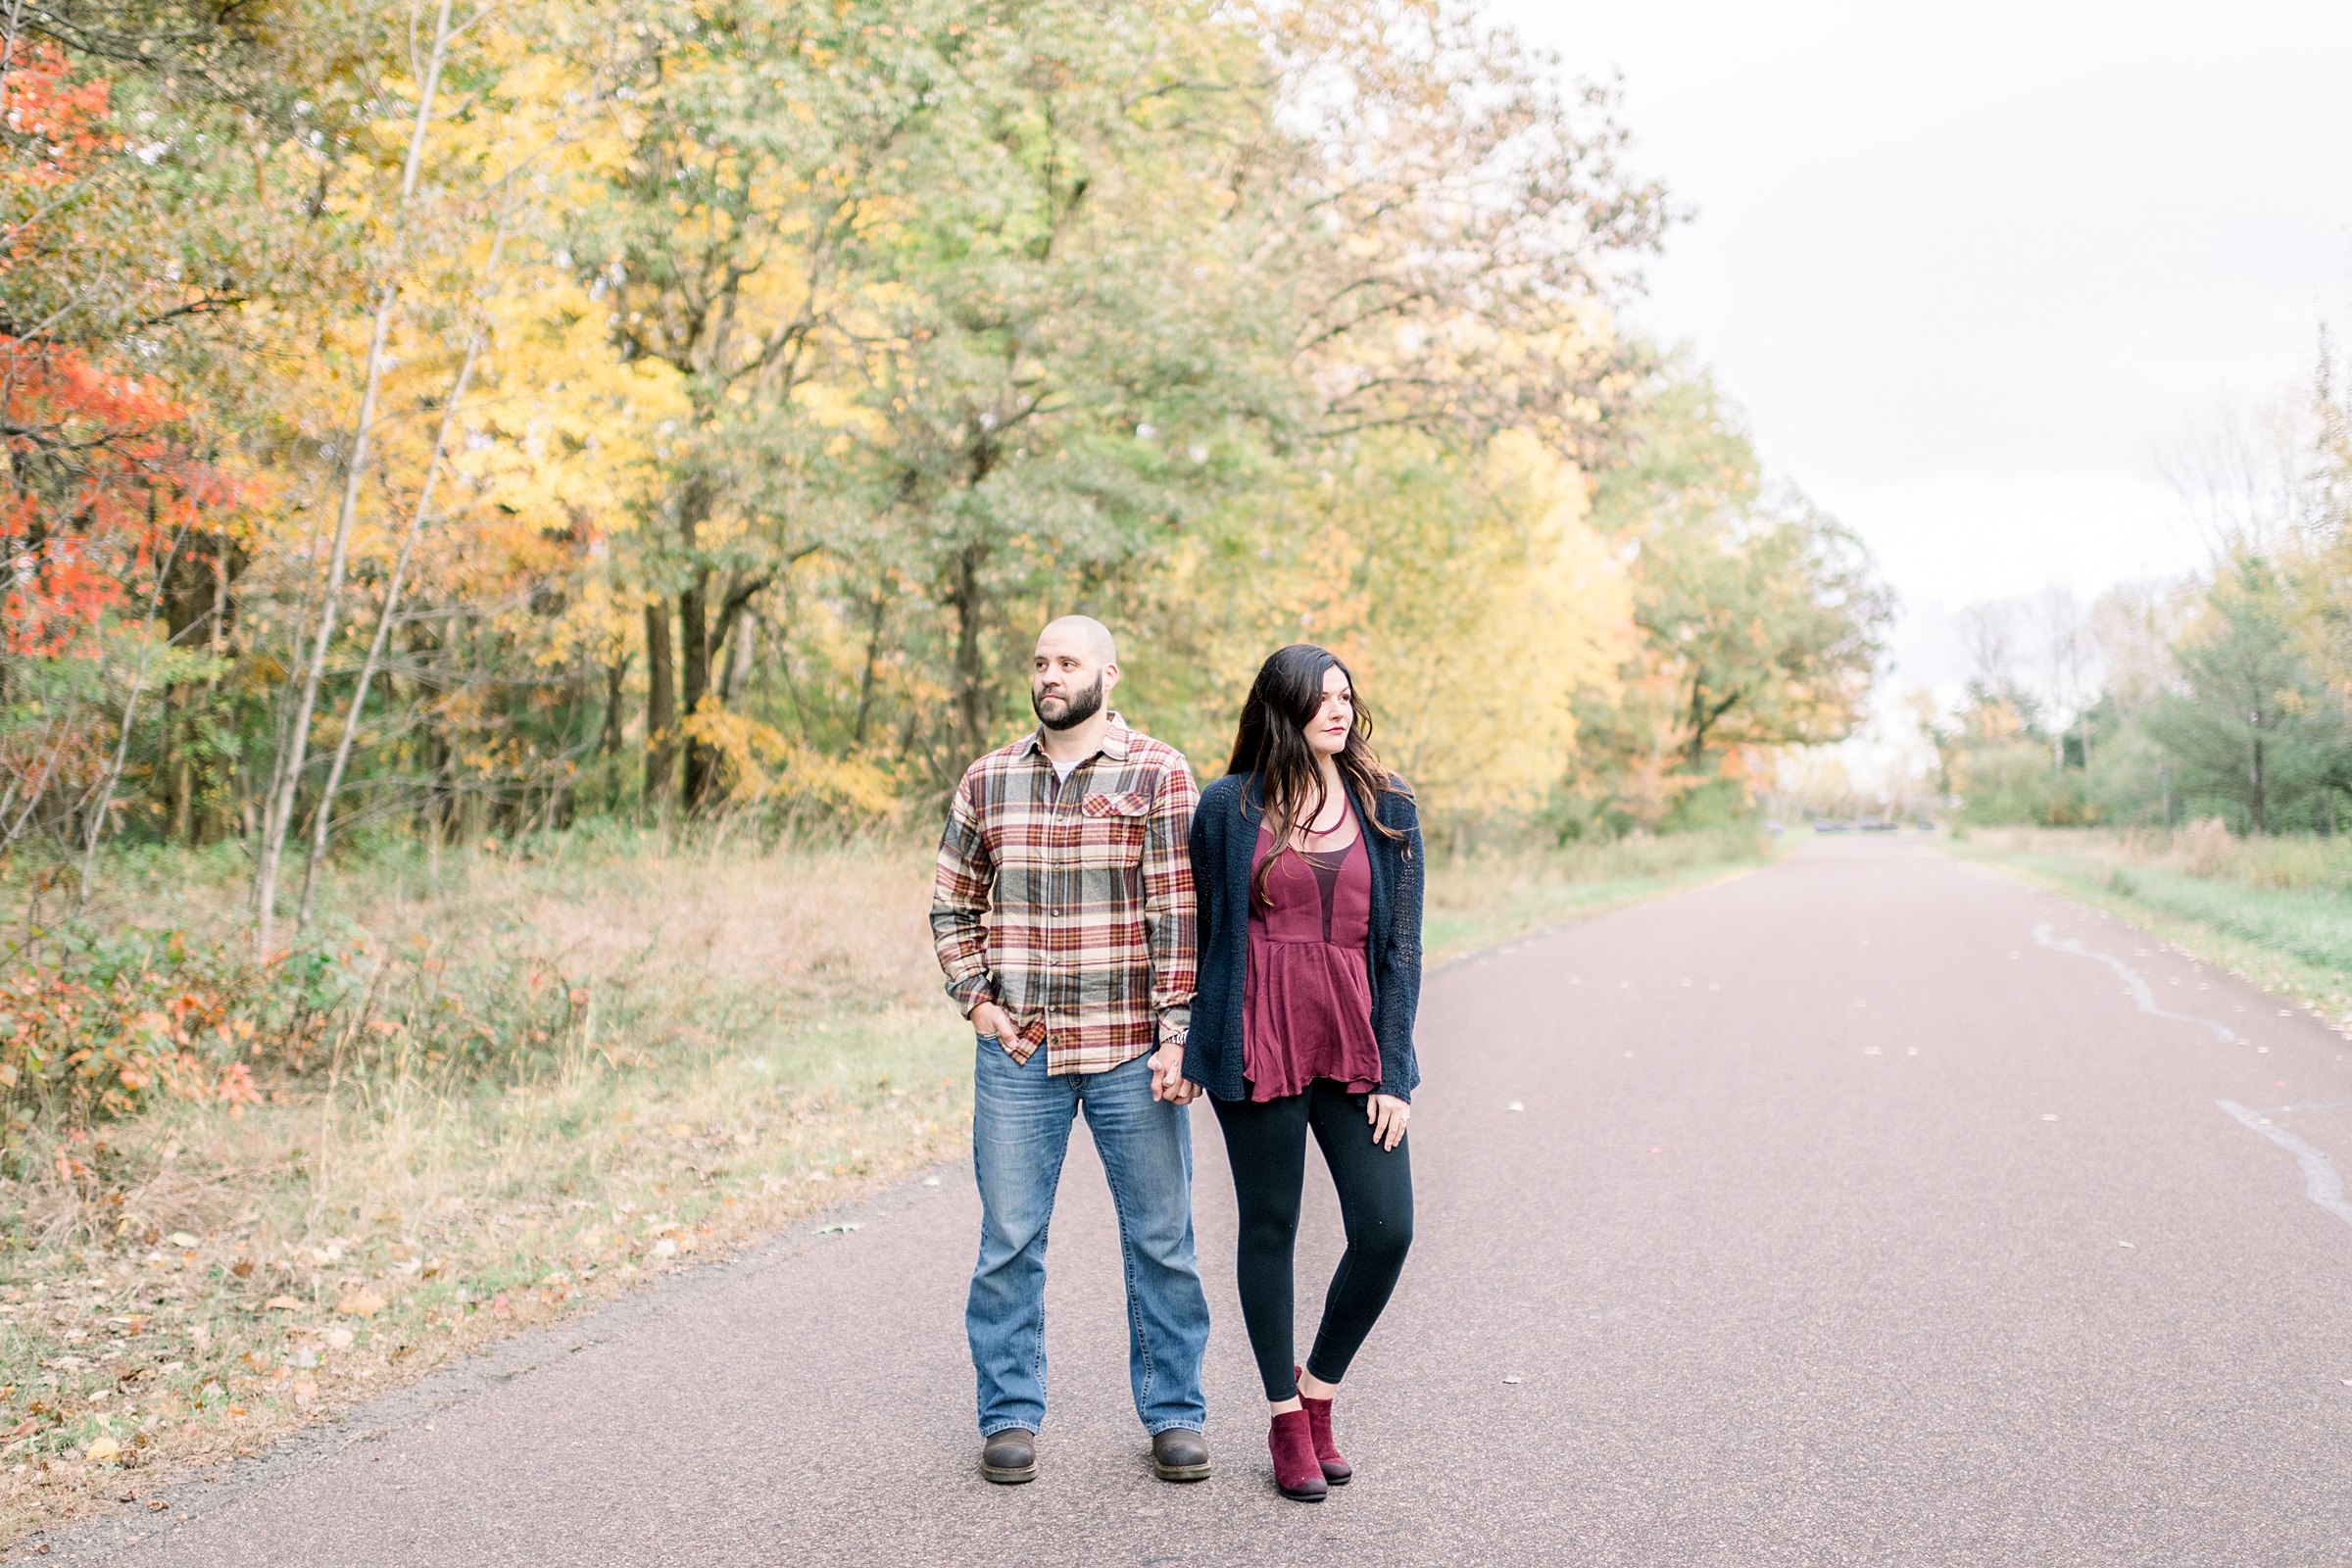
[(1307, 997)]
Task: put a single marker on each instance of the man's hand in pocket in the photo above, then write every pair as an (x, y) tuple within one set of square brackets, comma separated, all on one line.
[(990, 1019)]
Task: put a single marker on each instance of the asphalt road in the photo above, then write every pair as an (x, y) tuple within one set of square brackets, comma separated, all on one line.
[(1872, 1209)]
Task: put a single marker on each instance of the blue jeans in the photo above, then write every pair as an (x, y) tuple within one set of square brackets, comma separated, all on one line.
[(1020, 1131)]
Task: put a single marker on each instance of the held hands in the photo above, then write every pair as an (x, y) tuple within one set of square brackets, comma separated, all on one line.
[(1387, 1115), (1167, 1075)]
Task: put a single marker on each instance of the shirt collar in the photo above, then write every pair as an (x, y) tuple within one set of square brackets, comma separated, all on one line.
[(1114, 741)]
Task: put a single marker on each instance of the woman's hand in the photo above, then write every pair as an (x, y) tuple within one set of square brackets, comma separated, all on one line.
[(1167, 1075), (1387, 1115)]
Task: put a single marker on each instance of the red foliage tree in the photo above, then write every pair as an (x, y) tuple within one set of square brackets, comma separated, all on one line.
[(98, 477)]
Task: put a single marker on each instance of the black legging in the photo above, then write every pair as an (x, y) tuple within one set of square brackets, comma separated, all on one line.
[(1266, 1143)]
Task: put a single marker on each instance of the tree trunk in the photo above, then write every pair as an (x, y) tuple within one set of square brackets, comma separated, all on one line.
[(278, 818), (877, 615), (419, 517), (608, 743), (288, 779), (189, 600), (742, 654), (971, 684), (660, 708), (693, 645), (2259, 826)]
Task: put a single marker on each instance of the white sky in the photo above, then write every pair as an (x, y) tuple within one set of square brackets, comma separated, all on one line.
[(1970, 268)]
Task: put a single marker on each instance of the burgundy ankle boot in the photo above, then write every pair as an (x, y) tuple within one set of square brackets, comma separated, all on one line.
[(1295, 1471), (1336, 1468)]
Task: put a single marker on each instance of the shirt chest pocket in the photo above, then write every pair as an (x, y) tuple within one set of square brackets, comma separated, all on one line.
[(1109, 829)]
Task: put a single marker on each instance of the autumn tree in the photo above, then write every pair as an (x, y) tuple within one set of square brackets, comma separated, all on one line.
[(770, 146), (1760, 621)]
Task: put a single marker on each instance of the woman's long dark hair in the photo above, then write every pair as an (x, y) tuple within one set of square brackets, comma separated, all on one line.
[(1272, 743)]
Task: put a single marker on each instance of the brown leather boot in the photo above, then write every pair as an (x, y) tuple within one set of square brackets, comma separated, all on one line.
[(1009, 1457), (1336, 1468), (1295, 1471), (1179, 1455)]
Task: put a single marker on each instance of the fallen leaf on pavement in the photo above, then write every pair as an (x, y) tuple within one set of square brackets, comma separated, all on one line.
[(180, 1238), (103, 1449), (838, 1227), (1514, 1106), (360, 1303)]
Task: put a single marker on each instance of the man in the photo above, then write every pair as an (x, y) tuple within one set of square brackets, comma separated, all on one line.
[(1063, 913)]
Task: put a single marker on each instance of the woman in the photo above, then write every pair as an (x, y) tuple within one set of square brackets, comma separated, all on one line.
[(1306, 868)]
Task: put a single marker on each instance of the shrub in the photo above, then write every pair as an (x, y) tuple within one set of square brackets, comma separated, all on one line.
[(92, 1028)]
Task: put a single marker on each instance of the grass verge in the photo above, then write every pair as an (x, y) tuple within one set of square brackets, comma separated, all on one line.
[(2274, 912), (699, 1046)]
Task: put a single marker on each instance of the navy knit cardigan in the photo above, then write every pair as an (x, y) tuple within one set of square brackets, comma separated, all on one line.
[(1224, 838)]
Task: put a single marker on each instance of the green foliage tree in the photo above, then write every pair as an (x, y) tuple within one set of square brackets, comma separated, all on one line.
[(2250, 728), (1760, 623)]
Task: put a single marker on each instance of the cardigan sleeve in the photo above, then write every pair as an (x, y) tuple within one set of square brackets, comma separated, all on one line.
[(1205, 867), (1400, 964)]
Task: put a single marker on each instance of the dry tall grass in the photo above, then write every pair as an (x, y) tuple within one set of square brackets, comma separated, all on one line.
[(758, 1035), (2206, 850)]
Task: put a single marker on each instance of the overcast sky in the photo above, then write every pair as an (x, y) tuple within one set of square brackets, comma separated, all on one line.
[(1970, 268)]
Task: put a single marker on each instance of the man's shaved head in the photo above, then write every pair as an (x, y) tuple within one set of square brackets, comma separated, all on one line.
[(1075, 669), (1090, 633)]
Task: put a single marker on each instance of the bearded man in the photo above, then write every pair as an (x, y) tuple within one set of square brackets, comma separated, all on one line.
[(1062, 913)]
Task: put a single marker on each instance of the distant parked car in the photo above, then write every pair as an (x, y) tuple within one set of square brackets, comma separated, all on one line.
[(1927, 824), (1773, 824), (1827, 825)]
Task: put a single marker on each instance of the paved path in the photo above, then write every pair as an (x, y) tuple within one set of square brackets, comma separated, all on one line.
[(1847, 1220)]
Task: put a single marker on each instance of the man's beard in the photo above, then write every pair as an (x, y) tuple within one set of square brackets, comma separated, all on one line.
[(1081, 706)]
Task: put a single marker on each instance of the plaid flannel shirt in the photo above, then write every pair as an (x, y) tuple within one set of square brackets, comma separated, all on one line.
[(1069, 902)]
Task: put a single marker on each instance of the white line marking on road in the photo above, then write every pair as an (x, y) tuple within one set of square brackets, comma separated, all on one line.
[(2142, 992), (2316, 1105), (2320, 1183)]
